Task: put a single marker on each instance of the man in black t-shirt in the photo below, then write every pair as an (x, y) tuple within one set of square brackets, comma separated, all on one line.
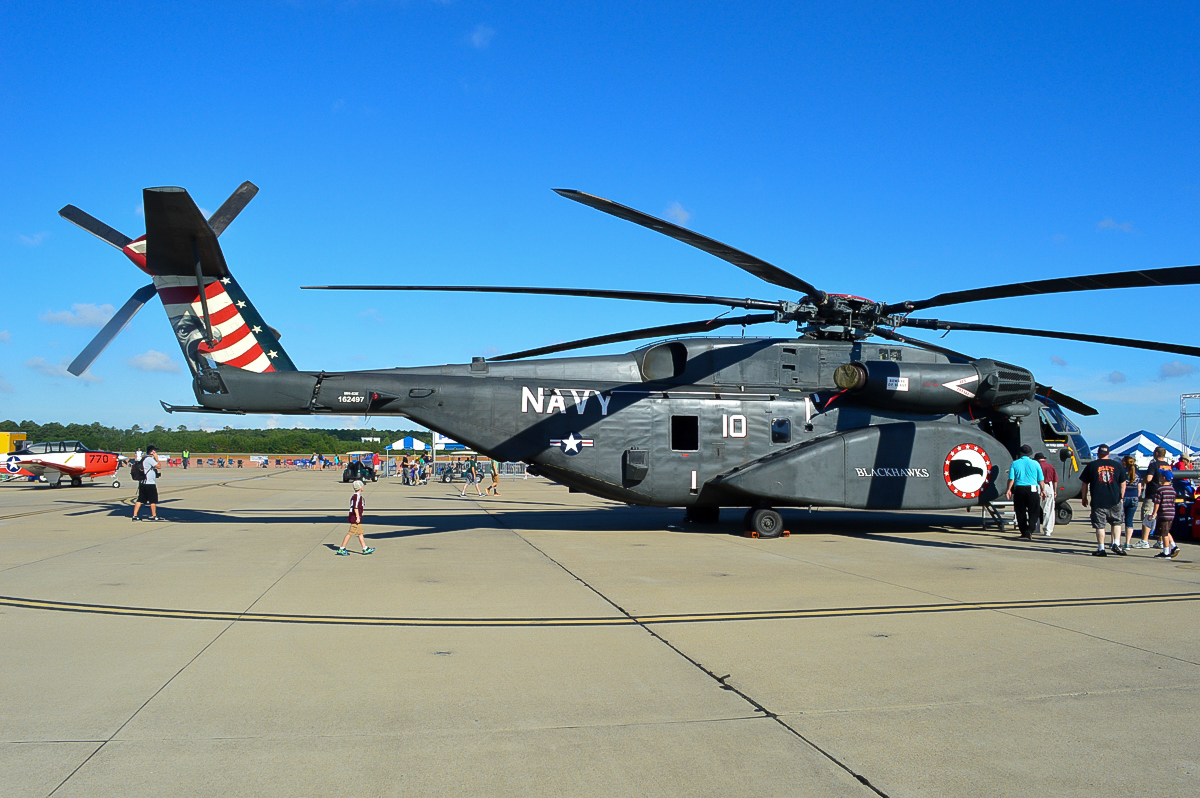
[(1151, 480), (1105, 479)]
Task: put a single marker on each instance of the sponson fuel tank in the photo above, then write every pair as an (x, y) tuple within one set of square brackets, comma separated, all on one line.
[(936, 387)]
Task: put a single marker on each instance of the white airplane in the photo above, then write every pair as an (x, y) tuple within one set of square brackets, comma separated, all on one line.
[(50, 462)]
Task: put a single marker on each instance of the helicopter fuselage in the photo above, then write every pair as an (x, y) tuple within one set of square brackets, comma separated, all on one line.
[(712, 422)]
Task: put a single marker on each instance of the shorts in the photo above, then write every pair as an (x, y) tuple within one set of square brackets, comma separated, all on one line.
[(1163, 527), (1103, 516), (1148, 513), (495, 479), (355, 529), (147, 493)]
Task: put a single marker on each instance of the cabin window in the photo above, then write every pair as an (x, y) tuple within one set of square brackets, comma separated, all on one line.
[(781, 430), (685, 433)]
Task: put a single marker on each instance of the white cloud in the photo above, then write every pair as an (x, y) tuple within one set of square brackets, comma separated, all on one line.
[(43, 366), (4, 337), (4, 386), (676, 213), (1175, 368), (1059, 238), (1116, 378), (80, 315), (1109, 224), (1058, 361), (140, 210), (207, 213), (33, 240), (154, 360), (481, 37)]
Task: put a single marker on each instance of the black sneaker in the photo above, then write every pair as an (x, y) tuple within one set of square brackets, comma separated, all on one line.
[(1174, 552), (1099, 553), (135, 518), (1118, 550), (1161, 555)]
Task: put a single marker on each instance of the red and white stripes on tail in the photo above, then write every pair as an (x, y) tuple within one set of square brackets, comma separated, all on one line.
[(236, 343)]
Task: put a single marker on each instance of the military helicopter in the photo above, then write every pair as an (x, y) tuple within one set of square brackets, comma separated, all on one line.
[(829, 418)]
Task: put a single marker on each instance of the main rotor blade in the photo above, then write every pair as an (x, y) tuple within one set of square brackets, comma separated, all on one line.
[(1175, 275), (666, 330), (94, 226), (229, 209), (111, 329), (756, 266), (1069, 402), (640, 296), (1131, 343)]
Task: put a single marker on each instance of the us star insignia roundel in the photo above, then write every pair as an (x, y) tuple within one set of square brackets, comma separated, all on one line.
[(966, 470), (572, 444)]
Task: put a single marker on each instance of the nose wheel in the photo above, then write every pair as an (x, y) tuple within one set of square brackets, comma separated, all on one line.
[(116, 483)]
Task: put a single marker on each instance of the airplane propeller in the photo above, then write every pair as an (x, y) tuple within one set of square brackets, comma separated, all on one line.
[(220, 220), (822, 315)]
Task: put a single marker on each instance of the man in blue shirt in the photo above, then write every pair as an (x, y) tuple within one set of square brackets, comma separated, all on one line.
[(1025, 484)]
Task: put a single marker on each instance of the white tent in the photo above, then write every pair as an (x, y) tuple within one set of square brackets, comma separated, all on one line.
[(1141, 445), (408, 444)]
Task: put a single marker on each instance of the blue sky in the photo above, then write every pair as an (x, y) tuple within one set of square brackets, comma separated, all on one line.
[(889, 150)]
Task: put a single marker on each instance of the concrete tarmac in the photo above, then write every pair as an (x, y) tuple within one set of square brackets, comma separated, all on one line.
[(550, 643)]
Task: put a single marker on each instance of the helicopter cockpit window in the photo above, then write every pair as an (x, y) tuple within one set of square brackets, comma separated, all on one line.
[(1049, 433), (781, 430), (685, 433)]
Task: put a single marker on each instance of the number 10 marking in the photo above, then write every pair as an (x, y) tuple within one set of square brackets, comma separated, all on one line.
[(733, 426)]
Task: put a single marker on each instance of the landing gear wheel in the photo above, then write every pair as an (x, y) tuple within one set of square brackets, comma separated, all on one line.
[(1063, 514), (76, 482), (703, 515), (116, 483), (767, 523)]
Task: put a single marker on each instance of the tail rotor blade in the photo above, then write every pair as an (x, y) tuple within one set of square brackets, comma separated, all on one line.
[(229, 209), (110, 331), (94, 226)]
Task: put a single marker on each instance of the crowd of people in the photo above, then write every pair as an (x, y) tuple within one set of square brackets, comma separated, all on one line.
[(1115, 493)]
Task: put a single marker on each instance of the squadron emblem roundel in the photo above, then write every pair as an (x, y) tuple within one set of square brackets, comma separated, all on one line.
[(966, 470)]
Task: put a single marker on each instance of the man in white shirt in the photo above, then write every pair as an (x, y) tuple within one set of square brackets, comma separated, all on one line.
[(148, 487)]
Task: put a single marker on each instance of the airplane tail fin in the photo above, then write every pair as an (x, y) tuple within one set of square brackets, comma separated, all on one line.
[(213, 318)]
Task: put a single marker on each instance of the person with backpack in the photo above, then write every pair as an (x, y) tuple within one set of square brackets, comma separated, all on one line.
[(472, 476), (145, 471)]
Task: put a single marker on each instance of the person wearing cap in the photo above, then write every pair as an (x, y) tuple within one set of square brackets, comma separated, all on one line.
[(1105, 479), (1049, 497), (1025, 484), (356, 515), (148, 487)]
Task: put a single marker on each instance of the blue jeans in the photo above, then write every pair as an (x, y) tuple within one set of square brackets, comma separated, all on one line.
[(1131, 506)]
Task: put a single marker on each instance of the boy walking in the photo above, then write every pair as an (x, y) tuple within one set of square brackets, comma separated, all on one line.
[(494, 488), (1164, 513), (356, 516)]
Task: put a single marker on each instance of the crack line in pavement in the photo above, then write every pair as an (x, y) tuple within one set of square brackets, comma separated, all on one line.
[(720, 680), (186, 665)]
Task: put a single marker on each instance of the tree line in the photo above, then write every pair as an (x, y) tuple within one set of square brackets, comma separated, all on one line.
[(228, 440)]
